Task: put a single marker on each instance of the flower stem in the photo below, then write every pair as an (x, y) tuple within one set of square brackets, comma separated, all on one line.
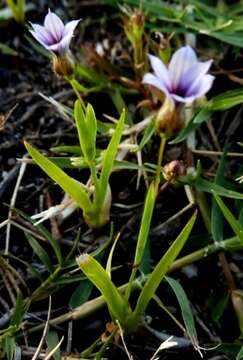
[(73, 83), (160, 159)]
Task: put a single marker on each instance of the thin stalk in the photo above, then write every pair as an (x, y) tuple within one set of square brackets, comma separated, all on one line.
[(160, 159), (73, 82), (232, 244), (138, 57)]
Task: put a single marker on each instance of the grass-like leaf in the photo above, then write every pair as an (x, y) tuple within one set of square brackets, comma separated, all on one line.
[(221, 102), (200, 117), (212, 188), (40, 252), (143, 234), (87, 128), (110, 155), (98, 276), (185, 310), (234, 223), (160, 270), (74, 189), (216, 213)]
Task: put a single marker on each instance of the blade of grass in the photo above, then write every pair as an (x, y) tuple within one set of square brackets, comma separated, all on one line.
[(160, 270), (110, 155), (216, 214), (40, 252), (185, 310), (234, 223), (74, 189), (98, 276)]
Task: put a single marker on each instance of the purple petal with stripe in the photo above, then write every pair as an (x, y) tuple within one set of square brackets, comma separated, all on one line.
[(151, 79), (201, 86), (160, 70), (194, 74), (41, 34), (180, 63), (54, 25), (70, 27)]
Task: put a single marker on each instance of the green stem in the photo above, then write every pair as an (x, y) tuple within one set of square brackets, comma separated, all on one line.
[(73, 83), (160, 159)]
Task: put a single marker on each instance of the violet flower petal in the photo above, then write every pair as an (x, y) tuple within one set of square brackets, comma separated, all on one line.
[(70, 27), (151, 79), (41, 34), (54, 25), (201, 87), (194, 73), (183, 99), (160, 70), (67, 35), (181, 61), (56, 48)]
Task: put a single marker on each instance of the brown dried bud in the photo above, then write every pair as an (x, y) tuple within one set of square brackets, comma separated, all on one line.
[(174, 170), (166, 119), (63, 65)]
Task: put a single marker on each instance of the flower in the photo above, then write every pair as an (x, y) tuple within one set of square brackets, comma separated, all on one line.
[(54, 35), (184, 80)]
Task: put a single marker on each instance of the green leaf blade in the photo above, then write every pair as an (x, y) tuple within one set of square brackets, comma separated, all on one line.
[(161, 268), (74, 189)]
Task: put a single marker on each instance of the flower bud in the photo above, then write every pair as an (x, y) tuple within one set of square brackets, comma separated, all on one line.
[(62, 65), (166, 119), (174, 171), (134, 26)]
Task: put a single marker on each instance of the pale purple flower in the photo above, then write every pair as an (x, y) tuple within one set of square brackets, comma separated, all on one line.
[(184, 80), (54, 35)]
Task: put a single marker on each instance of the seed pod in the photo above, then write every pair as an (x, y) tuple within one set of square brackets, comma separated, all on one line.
[(174, 171)]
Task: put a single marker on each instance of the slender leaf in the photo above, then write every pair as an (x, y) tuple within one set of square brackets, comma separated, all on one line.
[(52, 341), (40, 252), (160, 270), (226, 100), (216, 214), (145, 224), (148, 133), (19, 310), (98, 276), (110, 155), (74, 189), (234, 223), (240, 354), (210, 187), (109, 261), (81, 294), (200, 117), (185, 309)]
